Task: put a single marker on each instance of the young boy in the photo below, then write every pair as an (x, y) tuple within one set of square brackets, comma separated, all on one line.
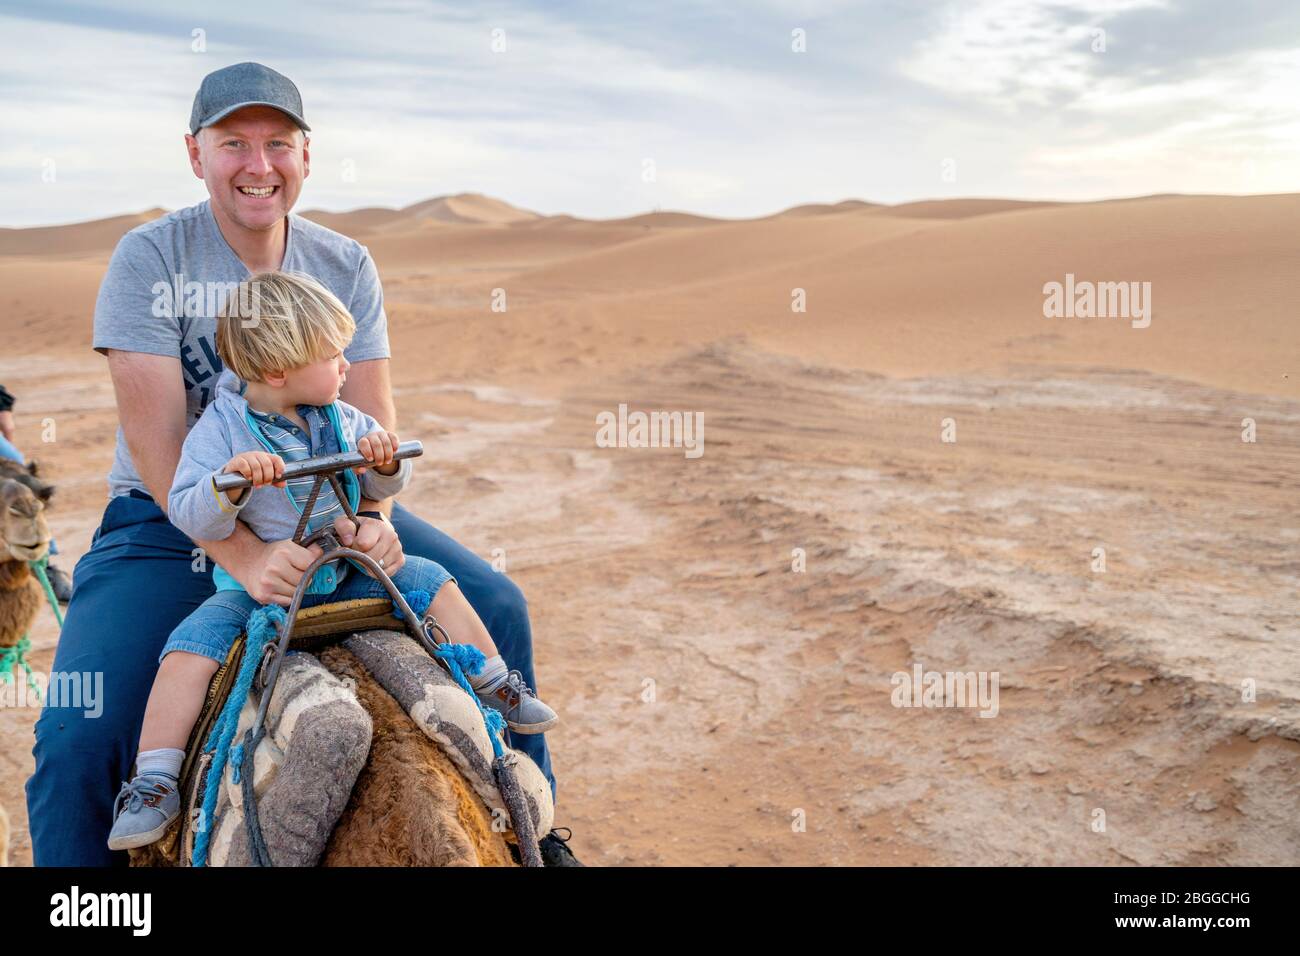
[(281, 337)]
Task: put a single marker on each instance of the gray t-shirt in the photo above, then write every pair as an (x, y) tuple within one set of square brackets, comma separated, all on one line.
[(168, 279)]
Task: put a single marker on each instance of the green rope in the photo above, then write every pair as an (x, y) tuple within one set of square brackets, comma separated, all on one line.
[(11, 657), (38, 567)]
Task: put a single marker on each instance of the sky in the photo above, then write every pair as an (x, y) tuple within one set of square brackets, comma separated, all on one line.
[(604, 110)]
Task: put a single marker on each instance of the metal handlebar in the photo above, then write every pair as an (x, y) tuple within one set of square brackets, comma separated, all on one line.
[(423, 629), (321, 465)]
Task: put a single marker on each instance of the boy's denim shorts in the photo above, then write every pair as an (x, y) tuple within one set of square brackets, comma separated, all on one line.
[(210, 631)]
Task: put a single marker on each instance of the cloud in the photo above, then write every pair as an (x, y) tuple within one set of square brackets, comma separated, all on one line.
[(410, 99), (1014, 53), (1162, 107)]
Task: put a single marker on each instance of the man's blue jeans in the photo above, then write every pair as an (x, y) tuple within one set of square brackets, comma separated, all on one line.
[(134, 586)]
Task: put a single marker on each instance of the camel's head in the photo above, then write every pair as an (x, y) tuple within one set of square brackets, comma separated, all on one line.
[(24, 535), (29, 475)]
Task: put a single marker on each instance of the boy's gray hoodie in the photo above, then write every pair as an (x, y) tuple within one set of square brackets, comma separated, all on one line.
[(222, 431)]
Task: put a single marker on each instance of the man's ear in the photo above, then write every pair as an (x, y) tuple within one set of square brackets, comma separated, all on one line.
[(306, 155), (192, 148)]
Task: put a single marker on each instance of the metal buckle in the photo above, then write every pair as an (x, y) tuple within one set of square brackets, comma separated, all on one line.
[(430, 624), (268, 655)]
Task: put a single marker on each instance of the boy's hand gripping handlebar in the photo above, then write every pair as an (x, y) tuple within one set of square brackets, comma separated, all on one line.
[(321, 465)]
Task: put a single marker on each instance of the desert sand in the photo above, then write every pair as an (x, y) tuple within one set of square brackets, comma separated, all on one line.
[(719, 633)]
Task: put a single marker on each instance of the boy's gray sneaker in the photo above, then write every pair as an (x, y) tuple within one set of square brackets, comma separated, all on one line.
[(523, 710), (143, 810)]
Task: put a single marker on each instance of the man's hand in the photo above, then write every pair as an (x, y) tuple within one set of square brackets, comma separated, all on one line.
[(275, 573), (376, 538)]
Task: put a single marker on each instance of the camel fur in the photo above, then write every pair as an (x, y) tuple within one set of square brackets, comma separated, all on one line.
[(411, 806), (366, 762)]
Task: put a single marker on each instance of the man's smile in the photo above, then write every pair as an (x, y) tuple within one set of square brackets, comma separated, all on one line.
[(258, 192)]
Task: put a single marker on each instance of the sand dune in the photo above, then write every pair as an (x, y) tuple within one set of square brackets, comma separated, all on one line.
[(909, 296), (461, 209), (467, 207), (357, 222), (49, 302), (960, 208), (661, 220), (98, 235), (827, 209), (433, 249), (906, 294), (682, 258), (970, 294), (1121, 690)]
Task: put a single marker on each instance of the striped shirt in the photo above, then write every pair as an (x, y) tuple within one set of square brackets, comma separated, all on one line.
[(293, 444), (228, 427)]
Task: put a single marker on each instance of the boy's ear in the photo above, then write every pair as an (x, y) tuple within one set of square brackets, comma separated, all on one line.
[(274, 379)]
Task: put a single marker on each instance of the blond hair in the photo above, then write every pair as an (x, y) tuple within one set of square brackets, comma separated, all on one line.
[(277, 321)]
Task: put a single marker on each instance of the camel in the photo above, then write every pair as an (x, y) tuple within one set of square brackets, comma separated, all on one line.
[(29, 475), (24, 537)]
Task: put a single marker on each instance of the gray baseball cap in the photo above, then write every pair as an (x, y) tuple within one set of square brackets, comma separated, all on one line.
[(244, 84)]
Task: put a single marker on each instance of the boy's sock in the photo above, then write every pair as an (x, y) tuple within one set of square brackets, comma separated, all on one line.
[(493, 673), (166, 761)]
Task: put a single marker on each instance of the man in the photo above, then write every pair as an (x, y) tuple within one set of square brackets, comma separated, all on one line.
[(155, 321)]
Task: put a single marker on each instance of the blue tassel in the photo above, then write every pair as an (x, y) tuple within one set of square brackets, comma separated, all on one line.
[(261, 628), (467, 656), (419, 602), (462, 658), (454, 654), (495, 722)]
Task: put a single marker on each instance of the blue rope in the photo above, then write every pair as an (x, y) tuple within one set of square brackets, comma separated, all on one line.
[(419, 602), (461, 658), (261, 628)]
